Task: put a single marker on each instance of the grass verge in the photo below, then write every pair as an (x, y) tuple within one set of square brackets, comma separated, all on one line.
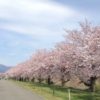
[(58, 93)]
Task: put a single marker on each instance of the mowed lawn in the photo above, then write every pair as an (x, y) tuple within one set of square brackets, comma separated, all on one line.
[(59, 93)]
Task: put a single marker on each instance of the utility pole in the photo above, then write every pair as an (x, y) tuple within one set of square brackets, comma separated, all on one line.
[(69, 95)]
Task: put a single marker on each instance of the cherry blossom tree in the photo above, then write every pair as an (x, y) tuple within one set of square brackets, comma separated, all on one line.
[(87, 42), (78, 55)]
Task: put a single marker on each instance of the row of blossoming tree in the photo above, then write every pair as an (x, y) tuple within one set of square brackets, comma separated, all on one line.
[(78, 55)]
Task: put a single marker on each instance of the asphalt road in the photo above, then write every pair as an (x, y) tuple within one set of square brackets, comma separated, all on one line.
[(10, 91)]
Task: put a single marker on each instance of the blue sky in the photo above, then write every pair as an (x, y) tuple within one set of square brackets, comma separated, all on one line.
[(28, 25)]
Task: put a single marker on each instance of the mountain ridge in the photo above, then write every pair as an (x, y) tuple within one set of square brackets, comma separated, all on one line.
[(4, 68)]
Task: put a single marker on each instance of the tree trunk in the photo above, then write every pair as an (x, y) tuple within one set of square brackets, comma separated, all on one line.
[(49, 80), (33, 79), (62, 81), (92, 85)]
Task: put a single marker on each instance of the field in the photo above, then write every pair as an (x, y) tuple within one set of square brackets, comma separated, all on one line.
[(59, 93)]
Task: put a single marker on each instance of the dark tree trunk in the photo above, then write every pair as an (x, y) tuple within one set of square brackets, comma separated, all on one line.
[(62, 81), (20, 79), (33, 79), (91, 84), (49, 80)]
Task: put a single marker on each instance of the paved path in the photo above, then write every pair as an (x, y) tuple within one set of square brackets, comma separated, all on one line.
[(10, 91)]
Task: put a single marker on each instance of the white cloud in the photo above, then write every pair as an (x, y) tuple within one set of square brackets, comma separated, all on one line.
[(33, 16), (31, 30), (42, 22), (27, 7)]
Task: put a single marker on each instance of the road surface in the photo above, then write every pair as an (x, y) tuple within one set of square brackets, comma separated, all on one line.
[(10, 91)]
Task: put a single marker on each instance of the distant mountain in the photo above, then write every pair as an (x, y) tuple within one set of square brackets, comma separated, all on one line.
[(3, 68)]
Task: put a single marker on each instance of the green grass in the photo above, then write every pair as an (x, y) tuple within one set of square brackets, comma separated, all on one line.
[(59, 93)]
